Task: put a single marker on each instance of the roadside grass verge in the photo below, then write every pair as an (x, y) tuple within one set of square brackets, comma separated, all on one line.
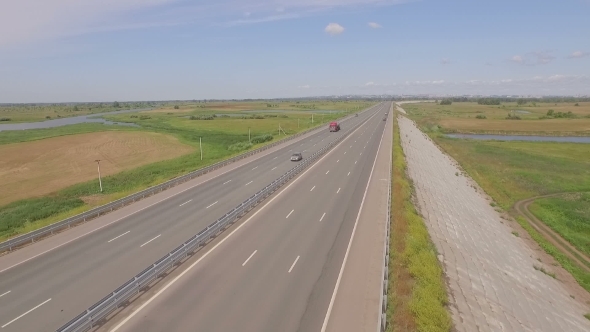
[(217, 137), (568, 215), (417, 296)]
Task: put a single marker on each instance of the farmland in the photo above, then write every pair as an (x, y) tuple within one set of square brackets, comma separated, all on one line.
[(163, 145)]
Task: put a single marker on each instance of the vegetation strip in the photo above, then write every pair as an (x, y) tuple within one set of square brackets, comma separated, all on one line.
[(417, 297)]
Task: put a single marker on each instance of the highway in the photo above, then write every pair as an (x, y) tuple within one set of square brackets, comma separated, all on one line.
[(42, 293), (278, 269)]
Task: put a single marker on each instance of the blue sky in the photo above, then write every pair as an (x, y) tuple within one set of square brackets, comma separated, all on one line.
[(104, 50)]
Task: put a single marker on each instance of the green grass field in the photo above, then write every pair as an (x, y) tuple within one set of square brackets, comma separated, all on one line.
[(569, 216), (462, 117), (417, 296), (512, 171), (220, 137)]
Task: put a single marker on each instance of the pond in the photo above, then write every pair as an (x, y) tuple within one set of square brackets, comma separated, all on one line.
[(563, 139), (90, 118)]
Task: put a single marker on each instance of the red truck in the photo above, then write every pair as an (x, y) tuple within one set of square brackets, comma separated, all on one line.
[(334, 126)]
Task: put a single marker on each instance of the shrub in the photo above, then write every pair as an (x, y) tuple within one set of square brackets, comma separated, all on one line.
[(262, 139), (576, 104), (133, 116), (480, 116), (202, 117), (240, 146), (550, 112), (446, 102), (512, 117), (176, 107), (283, 116), (144, 117), (4, 119)]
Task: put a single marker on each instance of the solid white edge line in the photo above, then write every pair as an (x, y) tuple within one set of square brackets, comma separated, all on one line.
[(17, 318), (211, 205), (246, 261), (292, 266), (173, 281), (150, 240), (185, 202), (5, 293), (289, 214), (113, 239), (323, 215), (146, 207), (327, 318)]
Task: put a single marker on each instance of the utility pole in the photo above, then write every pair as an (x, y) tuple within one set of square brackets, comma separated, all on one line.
[(297, 123), (249, 137), (201, 147), (312, 118), (99, 179)]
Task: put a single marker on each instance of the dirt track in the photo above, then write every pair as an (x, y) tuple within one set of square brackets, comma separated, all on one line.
[(522, 207)]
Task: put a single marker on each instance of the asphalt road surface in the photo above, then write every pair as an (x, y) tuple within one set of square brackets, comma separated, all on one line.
[(277, 270), (45, 292)]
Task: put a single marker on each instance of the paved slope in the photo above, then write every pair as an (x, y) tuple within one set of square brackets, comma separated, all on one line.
[(74, 276), (277, 271), (493, 283)]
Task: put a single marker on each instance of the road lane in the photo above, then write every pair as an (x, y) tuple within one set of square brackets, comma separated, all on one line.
[(80, 273), (289, 284)]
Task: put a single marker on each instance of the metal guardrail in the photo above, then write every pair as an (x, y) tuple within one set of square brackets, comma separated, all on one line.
[(31, 237), (382, 320), (100, 310)]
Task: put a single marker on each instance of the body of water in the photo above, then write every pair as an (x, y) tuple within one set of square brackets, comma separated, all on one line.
[(563, 139), (90, 118)]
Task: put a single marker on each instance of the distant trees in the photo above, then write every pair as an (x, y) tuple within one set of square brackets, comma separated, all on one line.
[(176, 107), (116, 104), (76, 108), (446, 102), (576, 104), (521, 102)]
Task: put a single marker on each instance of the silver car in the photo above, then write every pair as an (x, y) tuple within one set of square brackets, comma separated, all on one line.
[(296, 156)]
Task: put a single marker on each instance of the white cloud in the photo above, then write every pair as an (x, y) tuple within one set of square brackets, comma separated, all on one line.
[(534, 58), (370, 84), (374, 25), (445, 61), (579, 54), (334, 29), (304, 86), (517, 59)]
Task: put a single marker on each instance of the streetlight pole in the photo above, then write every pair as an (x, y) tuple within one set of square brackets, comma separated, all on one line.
[(201, 147), (99, 179)]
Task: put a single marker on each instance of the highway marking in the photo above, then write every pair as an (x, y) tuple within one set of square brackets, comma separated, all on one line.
[(295, 262), (312, 188), (211, 205), (249, 258), (17, 318), (289, 214), (315, 144), (361, 153), (338, 160), (249, 182), (274, 168), (345, 152), (185, 202), (327, 318), (275, 158), (290, 150), (348, 174), (113, 239), (350, 147), (327, 172), (255, 168), (173, 281), (355, 162), (226, 182), (4, 293), (150, 240), (323, 215), (338, 190), (304, 150)]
